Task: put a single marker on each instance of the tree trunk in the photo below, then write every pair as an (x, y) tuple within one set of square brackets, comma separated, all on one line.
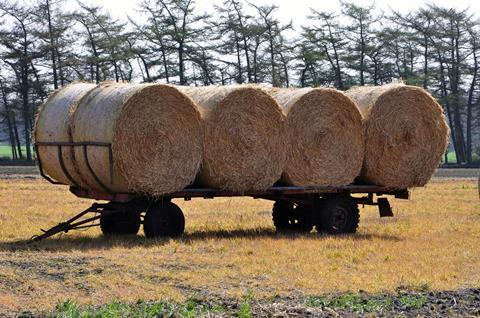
[(255, 66), (375, 71), (285, 70), (60, 67), (338, 72), (17, 136), (454, 88), (26, 113), (8, 117), (425, 63), (97, 72), (145, 66), (362, 54), (272, 58), (302, 76), (247, 58), (470, 103), (222, 77), (244, 39), (445, 97), (181, 64), (165, 63), (239, 61), (52, 46), (115, 70), (25, 104)]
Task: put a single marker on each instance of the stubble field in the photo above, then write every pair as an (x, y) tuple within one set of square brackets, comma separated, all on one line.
[(230, 251)]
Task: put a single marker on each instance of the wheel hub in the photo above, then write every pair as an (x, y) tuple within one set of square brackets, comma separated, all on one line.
[(289, 217), (339, 218)]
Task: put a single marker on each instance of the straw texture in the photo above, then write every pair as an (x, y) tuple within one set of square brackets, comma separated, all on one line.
[(406, 134), (244, 137), (52, 125), (155, 134), (326, 142)]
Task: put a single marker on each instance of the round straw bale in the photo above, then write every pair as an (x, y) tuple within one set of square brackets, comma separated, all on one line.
[(325, 136), (244, 137), (52, 125), (155, 134), (406, 134)]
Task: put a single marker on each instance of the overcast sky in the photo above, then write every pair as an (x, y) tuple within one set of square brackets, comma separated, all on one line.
[(297, 10)]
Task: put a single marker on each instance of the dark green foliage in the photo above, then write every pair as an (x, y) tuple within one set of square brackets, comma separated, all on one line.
[(190, 309)]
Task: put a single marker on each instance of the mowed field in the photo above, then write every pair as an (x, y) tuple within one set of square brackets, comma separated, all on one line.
[(230, 250)]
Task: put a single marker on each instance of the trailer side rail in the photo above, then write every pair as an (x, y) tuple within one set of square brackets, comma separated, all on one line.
[(274, 192), (85, 146)]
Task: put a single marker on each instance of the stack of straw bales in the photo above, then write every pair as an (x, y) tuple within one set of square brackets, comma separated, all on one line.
[(154, 130), (405, 134), (244, 137), (238, 138), (326, 143)]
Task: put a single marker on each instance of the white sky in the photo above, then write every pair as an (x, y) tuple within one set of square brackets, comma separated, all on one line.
[(297, 10)]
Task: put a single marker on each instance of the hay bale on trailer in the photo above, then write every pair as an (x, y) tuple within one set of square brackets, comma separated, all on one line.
[(52, 124), (406, 134), (244, 137), (155, 134), (325, 135)]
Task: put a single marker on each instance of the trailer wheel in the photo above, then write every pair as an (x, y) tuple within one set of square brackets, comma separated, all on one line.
[(163, 219), (338, 215), (290, 218), (124, 222)]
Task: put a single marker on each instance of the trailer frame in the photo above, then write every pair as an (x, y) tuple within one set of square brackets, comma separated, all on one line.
[(140, 203)]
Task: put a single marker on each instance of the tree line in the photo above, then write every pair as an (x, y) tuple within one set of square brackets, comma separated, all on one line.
[(43, 47)]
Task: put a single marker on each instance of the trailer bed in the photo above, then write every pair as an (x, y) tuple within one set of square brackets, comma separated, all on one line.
[(330, 209), (273, 192), (289, 198)]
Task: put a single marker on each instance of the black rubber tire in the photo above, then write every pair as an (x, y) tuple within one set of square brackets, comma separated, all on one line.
[(163, 219), (280, 214), (338, 215), (125, 222), (291, 218)]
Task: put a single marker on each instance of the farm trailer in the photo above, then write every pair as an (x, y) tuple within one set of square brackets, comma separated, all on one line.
[(295, 210)]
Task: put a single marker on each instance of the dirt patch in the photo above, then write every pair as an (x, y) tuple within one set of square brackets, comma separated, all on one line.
[(457, 173), (404, 304), (19, 172), (72, 272)]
